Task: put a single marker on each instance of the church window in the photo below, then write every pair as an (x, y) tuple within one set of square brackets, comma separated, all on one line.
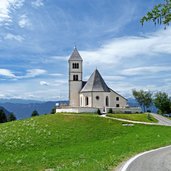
[(107, 101), (81, 101), (75, 65), (97, 97), (117, 105), (117, 98), (86, 101), (75, 77)]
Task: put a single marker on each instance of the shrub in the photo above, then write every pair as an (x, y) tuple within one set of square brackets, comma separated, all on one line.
[(35, 113), (98, 112), (53, 111), (127, 112), (149, 117), (11, 117), (3, 117), (110, 110)]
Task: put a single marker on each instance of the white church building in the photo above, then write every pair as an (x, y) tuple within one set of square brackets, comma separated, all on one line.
[(90, 95)]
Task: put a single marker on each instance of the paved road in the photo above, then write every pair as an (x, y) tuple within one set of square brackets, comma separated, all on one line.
[(162, 120), (155, 160), (158, 160)]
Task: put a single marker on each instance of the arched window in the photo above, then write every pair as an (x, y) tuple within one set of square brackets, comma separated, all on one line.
[(81, 101), (107, 101), (75, 77), (86, 101), (117, 98), (75, 65)]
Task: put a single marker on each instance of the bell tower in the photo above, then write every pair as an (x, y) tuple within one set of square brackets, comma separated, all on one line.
[(75, 78)]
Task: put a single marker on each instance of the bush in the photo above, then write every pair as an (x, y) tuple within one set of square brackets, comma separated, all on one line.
[(11, 117), (110, 110), (3, 117), (98, 112), (35, 113), (149, 117), (127, 112), (148, 111), (53, 111)]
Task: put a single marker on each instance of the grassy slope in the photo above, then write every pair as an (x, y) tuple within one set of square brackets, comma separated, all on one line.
[(72, 143), (135, 117)]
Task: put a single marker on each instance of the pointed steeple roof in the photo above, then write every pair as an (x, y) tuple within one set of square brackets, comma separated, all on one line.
[(75, 56), (95, 83)]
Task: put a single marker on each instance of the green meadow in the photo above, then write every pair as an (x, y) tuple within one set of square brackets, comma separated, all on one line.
[(74, 143), (135, 117)]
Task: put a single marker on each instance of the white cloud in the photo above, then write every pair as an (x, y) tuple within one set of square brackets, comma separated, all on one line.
[(56, 74), (24, 21), (5, 9), (37, 3), (33, 73), (118, 49), (7, 73), (44, 83), (29, 73), (113, 78), (10, 36), (145, 70)]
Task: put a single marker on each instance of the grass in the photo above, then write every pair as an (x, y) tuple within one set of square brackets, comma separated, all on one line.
[(74, 142), (135, 117)]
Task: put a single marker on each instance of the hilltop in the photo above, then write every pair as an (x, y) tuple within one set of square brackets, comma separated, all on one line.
[(74, 142)]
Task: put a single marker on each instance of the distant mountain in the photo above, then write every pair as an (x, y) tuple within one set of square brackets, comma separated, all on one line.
[(133, 103), (5, 111), (22, 110), (21, 101)]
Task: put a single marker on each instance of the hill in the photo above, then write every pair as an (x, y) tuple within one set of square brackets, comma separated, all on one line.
[(74, 142)]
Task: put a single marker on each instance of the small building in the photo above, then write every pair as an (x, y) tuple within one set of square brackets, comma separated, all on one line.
[(90, 95)]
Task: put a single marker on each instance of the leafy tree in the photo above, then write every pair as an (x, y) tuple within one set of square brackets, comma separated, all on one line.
[(160, 14), (35, 113), (162, 102), (3, 117), (53, 111), (11, 117), (144, 98)]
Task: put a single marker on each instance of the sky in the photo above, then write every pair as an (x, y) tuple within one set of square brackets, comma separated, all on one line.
[(38, 36)]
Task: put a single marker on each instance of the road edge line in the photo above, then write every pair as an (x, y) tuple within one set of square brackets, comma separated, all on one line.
[(126, 165)]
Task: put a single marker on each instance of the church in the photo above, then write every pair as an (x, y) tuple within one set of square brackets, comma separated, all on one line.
[(90, 95)]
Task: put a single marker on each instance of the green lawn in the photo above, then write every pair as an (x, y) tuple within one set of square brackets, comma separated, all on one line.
[(135, 117), (74, 143)]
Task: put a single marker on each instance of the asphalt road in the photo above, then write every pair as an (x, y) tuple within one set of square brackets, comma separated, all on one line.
[(154, 160), (162, 120), (159, 160)]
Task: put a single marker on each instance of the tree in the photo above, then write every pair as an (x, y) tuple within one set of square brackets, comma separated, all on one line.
[(53, 111), (144, 98), (160, 14), (162, 102), (35, 113), (11, 117), (3, 117)]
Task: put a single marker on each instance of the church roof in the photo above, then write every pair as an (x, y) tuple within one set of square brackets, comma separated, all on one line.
[(95, 83), (75, 56)]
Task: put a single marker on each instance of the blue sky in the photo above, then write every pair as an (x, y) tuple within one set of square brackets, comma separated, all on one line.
[(37, 37)]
